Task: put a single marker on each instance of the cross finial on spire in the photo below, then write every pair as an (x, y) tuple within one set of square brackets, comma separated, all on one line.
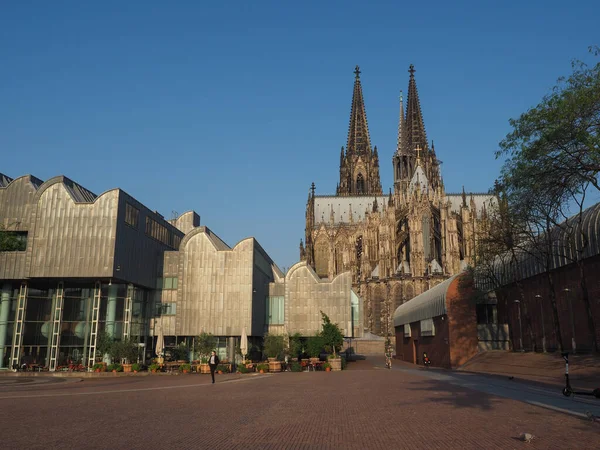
[(312, 188), (411, 70), (418, 150), (357, 72)]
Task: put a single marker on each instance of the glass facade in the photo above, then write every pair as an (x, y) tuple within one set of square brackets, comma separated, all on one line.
[(275, 310), (75, 325)]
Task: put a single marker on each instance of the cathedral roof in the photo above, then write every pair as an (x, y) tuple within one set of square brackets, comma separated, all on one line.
[(419, 179), (359, 141), (481, 200), (342, 205)]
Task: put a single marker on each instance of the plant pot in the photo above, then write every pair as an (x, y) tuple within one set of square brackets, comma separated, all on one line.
[(271, 359), (328, 369), (153, 370), (127, 367), (274, 366), (262, 371), (204, 368), (336, 364), (220, 372), (114, 371), (186, 371), (97, 370), (135, 371)]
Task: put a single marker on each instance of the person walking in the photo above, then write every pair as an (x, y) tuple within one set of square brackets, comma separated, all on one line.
[(213, 362)]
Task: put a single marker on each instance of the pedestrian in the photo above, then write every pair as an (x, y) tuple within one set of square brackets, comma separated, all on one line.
[(213, 362)]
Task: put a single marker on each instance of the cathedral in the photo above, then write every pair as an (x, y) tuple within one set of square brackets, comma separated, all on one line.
[(400, 244)]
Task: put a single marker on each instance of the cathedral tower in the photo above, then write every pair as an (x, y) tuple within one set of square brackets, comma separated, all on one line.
[(359, 163), (412, 142)]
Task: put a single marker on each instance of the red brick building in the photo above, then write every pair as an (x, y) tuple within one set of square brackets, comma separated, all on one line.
[(524, 289), (441, 322)]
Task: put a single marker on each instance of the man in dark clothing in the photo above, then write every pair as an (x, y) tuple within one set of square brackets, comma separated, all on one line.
[(213, 362)]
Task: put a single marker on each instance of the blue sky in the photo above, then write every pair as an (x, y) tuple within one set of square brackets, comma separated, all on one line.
[(233, 109)]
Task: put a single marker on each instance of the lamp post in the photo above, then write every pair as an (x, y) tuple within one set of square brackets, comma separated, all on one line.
[(539, 297), (518, 302), (573, 344)]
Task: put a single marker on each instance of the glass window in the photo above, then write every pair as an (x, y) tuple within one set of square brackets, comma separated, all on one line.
[(175, 283), (159, 283), (168, 284), (275, 310), (131, 215)]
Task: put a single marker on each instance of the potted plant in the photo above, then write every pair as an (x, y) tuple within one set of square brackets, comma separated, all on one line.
[(332, 339), (185, 368), (296, 367), (327, 367), (314, 347), (203, 346), (262, 368), (295, 345), (242, 369), (274, 346), (98, 367), (153, 368), (136, 368)]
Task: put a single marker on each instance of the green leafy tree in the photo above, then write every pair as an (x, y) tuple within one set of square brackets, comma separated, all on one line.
[(295, 345), (104, 344), (274, 345), (553, 156), (332, 336), (314, 345), (204, 344)]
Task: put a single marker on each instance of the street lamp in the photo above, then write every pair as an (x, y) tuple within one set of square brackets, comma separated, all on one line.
[(539, 297), (518, 302), (573, 344)]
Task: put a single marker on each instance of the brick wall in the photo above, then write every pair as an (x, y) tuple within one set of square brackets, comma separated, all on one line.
[(455, 339), (462, 321), (535, 309)]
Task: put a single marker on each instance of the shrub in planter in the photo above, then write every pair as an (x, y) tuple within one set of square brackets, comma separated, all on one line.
[(185, 368), (136, 367), (242, 369), (153, 368), (115, 368), (98, 367), (296, 367), (223, 368), (262, 367), (314, 346), (274, 345), (327, 367)]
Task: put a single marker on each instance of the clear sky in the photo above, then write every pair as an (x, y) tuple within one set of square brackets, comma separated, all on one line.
[(233, 108)]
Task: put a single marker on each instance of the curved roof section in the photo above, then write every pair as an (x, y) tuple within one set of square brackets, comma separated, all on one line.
[(431, 303), (4, 180), (576, 237)]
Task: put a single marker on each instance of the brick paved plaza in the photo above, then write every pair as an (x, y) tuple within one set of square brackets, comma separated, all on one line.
[(364, 407)]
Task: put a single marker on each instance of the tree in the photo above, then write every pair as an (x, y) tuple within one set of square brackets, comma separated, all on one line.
[(295, 345), (332, 336), (553, 156), (204, 344), (273, 345), (104, 343)]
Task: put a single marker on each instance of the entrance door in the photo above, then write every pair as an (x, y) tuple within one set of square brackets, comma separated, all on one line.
[(416, 351)]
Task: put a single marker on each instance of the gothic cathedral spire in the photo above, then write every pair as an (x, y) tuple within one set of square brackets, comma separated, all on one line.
[(359, 164)]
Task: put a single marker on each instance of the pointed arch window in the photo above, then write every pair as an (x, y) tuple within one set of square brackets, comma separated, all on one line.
[(360, 184)]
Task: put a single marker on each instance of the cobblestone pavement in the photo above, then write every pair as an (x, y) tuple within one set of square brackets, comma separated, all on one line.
[(355, 409)]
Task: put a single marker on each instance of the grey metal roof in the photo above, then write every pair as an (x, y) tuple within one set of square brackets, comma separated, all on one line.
[(4, 180), (431, 303), (78, 192), (341, 207), (568, 242)]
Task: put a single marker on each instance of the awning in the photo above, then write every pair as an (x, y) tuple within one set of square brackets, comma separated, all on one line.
[(429, 304)]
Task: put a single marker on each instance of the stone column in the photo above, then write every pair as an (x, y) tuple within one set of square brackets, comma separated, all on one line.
[(4, 312)]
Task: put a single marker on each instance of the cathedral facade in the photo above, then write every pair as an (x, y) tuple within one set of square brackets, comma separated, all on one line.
[(397, 245)]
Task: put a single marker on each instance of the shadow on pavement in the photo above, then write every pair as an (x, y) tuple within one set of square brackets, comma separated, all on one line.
[(449, 394)]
